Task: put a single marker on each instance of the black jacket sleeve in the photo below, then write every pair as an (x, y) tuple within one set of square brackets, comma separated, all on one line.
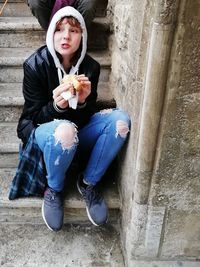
[(38, 106)]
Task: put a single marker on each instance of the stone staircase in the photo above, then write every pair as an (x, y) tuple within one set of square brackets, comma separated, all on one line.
[(20, 35)]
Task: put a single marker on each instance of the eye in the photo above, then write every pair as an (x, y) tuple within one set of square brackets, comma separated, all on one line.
[(57, 29), (75, 30)]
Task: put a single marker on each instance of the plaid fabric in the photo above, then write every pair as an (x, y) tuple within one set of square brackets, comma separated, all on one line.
[(30, 177)]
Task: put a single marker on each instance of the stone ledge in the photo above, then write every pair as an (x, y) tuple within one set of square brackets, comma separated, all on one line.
[(11, 95), (26, 32), (73, 246), (73, 199), (148, 263), (16, 56), (27, 210), (31, 23)]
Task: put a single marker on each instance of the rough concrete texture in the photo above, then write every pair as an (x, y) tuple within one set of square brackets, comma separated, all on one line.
[(73, 246), (176, 181), (164, 264), (28, 32), (182, 235), (128, 65), (160, 215)]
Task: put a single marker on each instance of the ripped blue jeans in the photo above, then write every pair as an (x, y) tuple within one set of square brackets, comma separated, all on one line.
[(101, 138)]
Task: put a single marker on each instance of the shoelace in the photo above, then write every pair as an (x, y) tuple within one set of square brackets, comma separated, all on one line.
[(51, 195), (91, 194)]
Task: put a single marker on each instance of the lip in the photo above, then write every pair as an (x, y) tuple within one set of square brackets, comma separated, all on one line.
[(65, 46)]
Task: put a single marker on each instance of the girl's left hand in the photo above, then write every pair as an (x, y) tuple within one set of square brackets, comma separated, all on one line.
[(86, 88)]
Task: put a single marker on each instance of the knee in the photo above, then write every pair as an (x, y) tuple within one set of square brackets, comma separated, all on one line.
[(122, 123), (34, 4), (86, 5), (119, 119), (88, 9), (66, 135)]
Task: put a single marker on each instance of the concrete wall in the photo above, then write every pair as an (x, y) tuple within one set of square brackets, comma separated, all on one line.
[(155, 77)]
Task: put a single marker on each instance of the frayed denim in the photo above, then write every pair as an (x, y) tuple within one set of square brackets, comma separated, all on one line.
[(101, 139)]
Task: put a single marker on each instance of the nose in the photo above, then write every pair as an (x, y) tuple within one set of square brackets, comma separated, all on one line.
[(66, 34)]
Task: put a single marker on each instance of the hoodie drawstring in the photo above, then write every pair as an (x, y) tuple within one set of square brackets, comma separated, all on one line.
[(60, 76)]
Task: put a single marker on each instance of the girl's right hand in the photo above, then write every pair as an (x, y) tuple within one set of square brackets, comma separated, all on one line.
[(58, 99)]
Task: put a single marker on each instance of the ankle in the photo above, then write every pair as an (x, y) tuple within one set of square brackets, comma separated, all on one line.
[(83, 182)]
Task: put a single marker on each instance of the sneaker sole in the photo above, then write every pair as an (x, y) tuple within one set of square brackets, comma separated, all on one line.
[(44, 218), (88, 214)]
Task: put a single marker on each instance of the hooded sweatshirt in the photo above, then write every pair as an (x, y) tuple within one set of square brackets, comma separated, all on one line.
[(63, 12), (43, 73)]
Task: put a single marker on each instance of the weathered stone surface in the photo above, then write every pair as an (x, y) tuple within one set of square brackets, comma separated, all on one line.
[(28, 210), (16, 9), (8, 134), (147, 263), (182, 235), (10, 113), (174, 188), (166, 11), (9, 160), (122, 25), (26, 32), (179, 159), (176, 181), (74, 246), (15, 74)]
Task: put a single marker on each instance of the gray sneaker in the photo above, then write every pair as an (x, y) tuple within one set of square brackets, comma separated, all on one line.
[(52, 209), (96, 207)]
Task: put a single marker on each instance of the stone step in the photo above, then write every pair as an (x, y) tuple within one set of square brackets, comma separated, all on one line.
[(9, 141), (16, 56), (11, 61), (28, 210), (74, 246), (26, 32), (11, 95), (11, 100), (17, 8), (9, 160)]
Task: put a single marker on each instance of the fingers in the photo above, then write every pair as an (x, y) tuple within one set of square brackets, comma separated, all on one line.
[(83, 93), (62, 103), (62, 88), (86, 88), (85, 82), (82, 78)]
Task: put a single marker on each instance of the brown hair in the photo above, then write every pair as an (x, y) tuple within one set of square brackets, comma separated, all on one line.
[(71, 20)]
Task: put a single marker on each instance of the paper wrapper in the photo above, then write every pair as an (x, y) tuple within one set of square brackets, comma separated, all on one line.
[(72, 99)]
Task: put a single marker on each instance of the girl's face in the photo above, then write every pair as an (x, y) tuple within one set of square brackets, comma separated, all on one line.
[(67, 38)]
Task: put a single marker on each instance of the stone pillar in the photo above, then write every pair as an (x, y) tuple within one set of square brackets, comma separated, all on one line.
[(155, 77)]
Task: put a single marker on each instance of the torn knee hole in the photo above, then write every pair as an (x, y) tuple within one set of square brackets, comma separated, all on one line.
[(66, 135), (122, 128)]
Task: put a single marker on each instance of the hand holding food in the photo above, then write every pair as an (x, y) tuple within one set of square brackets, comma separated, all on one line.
[(79, 87), (73, 80), (85, 88)]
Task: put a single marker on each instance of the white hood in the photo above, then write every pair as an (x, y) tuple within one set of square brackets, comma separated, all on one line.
[(66, 11)]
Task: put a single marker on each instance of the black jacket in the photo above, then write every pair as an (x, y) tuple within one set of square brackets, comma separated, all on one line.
[(40, 79)]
